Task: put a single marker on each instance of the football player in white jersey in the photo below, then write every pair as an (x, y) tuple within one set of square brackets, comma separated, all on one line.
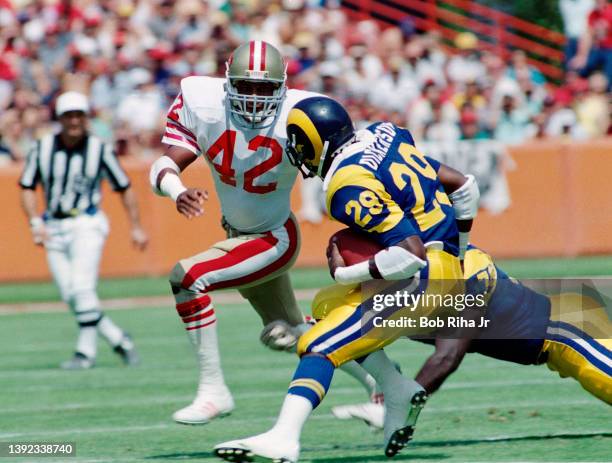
[(237, 125)]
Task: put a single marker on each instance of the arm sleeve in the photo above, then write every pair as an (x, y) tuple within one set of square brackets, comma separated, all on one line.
[(179, 127), (371, 210), (113, 171), (30, 177)]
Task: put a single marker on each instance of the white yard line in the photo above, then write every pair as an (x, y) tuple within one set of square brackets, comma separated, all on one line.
[(224, 297), (153, 401), (318, 417)]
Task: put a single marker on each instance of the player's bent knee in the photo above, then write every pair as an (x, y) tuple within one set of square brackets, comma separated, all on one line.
[(333, 297), (85, 299), (302, 346), (88, 318), (305, 347), (176, 277)]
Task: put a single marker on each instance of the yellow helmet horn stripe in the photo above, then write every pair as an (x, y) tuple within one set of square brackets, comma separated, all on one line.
[(301, 119)]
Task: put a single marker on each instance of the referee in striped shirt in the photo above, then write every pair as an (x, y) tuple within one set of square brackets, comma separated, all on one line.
[(69, 166)]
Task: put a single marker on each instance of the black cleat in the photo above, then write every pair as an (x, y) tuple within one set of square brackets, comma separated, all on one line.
[(400, 438), (127, 351)]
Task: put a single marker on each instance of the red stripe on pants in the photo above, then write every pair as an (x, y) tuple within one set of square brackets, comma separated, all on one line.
[(234, 257), (282, 261)]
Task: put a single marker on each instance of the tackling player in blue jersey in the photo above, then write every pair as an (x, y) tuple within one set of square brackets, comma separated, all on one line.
[(568, 331), (419, 211)]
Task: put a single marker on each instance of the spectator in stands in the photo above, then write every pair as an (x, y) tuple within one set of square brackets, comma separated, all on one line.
[(109, 43), (471, 94), (164, 24), (556, 119), (440, 129), (520, 69), (147, 101), (394, 91), (563, 123), (572, 86), (363, 69), (511, 121), (419, 68), (574, 14), (328, 80), (595, 47), (466, 66), (593, 107), (421, 113), (470, 126)]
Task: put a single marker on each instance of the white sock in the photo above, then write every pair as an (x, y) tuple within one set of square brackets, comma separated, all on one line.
[(386, 375), (87, 342), (292, 417), (111, 332), (357, 371), (206, 345)]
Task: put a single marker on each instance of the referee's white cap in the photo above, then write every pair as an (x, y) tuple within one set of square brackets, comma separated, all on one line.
[(71, 101)]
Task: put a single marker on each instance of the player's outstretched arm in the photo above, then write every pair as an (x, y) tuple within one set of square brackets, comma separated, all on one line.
[(442, 363), (165, 181), (451, 346)]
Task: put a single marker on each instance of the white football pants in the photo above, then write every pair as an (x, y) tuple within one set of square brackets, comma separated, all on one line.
[(74, 248)]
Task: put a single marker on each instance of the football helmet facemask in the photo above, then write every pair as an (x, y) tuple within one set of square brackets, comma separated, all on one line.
[(255, 84), (317, 129)]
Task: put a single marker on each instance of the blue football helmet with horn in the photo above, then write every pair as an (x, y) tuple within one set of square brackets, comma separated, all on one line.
[(317, 128)]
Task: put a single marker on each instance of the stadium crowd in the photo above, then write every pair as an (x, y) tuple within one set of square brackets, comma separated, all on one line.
[(129, 56)]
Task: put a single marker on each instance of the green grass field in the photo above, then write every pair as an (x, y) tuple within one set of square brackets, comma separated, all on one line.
[(488, 411)]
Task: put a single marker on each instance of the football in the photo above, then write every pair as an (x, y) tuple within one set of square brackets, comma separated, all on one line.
[(355, 247)]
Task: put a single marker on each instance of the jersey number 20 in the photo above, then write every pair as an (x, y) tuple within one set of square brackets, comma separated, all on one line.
[(226, 142)]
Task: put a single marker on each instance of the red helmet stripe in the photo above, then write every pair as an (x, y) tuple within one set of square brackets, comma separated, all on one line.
[(251, 56), (263, 56)]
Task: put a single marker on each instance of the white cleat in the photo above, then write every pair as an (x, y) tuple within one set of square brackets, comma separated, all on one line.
[(267, 447), (401, 414), (204, 410), (373, 414)]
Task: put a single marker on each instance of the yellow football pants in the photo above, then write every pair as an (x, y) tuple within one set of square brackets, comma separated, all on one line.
[(579, 343), (345, 331)]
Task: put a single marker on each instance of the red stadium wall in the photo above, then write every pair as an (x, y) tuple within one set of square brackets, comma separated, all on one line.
[(559, 194)]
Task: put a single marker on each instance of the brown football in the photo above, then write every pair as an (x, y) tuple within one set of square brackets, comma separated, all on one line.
[(355, 247)]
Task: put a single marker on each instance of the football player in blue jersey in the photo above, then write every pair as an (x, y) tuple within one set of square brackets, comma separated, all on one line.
[(569, 331), (420, 212)]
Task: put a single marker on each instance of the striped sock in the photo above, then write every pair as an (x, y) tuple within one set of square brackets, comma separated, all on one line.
[(312, 378), (200, 321), (310, 384), (87, 341)]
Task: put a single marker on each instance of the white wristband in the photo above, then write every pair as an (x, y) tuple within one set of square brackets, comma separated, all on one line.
[(163, 163), (36, 223), (397, 263), (172, 186), (465, 199), (353, 273)]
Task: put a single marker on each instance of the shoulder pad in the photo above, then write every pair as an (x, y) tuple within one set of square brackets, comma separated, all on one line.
[(203, 92)]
